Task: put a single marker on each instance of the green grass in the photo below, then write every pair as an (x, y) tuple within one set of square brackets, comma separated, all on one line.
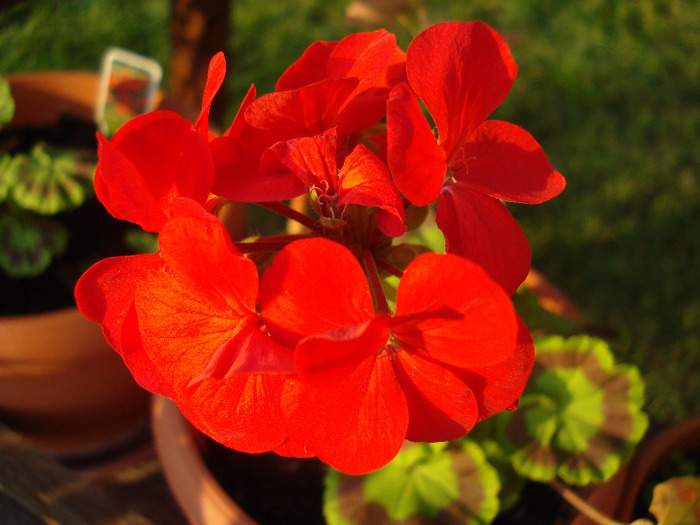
[(611, 89)]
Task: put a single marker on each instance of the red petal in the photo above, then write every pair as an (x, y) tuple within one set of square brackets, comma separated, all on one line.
[(416, 161), (105, 294), (238, 177), (462, 72), (505, 162), (365, 56), (200, 254), (312, 159), (309, 110), (250, 351), (481, 228), (215, 78), (292, 449), (309, 69), (122, 190), (376, 61), (396, 72), (356, 427), (201, 298), (440, 406), (239, 123), (151, 160), (448, 307), (498, 387), (313, 286), (243, 413), (325, 360), (365, 180)]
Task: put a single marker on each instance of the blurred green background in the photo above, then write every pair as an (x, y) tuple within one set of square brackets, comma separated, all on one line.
[(610, 88)]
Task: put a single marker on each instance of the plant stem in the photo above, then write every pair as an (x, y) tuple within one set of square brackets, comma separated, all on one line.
[(581, 505), (375, 282), (291, 213), (389, 268), (267, 246)]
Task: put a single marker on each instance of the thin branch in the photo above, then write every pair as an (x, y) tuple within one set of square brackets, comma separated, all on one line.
[(581, 505), (268, 245)]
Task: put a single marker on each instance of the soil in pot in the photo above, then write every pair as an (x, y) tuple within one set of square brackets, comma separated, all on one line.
[(271, 489)]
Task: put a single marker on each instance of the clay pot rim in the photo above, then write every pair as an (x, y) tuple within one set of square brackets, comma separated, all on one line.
[(197, 492)]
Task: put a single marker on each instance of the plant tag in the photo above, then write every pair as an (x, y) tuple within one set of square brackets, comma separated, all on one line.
[(128, 87)]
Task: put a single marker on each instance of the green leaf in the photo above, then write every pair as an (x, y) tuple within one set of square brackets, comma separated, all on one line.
[(7, 103), (48, 180), (510, 481), (580, 417), (29, 243), (677, 501), (425, 483), (479, 486), (419, 481), (6, 176)]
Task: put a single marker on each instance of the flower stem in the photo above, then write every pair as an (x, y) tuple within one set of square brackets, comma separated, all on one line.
[(389, 268), (291, 213), (268, 245), (375, 282), (581, 505)]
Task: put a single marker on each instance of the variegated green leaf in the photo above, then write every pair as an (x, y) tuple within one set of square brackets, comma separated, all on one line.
[(7, 103), (48, 180), (6, 176), (425, 483), (580, 417), (28, 243), (484, 434)]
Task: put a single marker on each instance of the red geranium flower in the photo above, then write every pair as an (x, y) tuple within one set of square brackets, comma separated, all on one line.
[(183, 318), (370, 380), (341, 85), (362, 180), (462, 72)]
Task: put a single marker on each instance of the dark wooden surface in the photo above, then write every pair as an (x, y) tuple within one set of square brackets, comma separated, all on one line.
[(35, 489)]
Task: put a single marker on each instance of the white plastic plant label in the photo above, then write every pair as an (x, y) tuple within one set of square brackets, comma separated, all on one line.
[(128, 87)]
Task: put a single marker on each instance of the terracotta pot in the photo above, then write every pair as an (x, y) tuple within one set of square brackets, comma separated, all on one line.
[(61, 385), (64, 389), (42, 97), (618, 496), (198, 494)]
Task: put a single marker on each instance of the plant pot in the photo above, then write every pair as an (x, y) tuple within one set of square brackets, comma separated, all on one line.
[(198, 494), (215, 485), (42, 97), (61, 385), (617, 497)]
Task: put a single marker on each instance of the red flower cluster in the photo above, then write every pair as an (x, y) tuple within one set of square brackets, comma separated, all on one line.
[(304, 356)]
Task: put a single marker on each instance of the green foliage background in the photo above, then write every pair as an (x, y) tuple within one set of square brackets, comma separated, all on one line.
[(610, 88)]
